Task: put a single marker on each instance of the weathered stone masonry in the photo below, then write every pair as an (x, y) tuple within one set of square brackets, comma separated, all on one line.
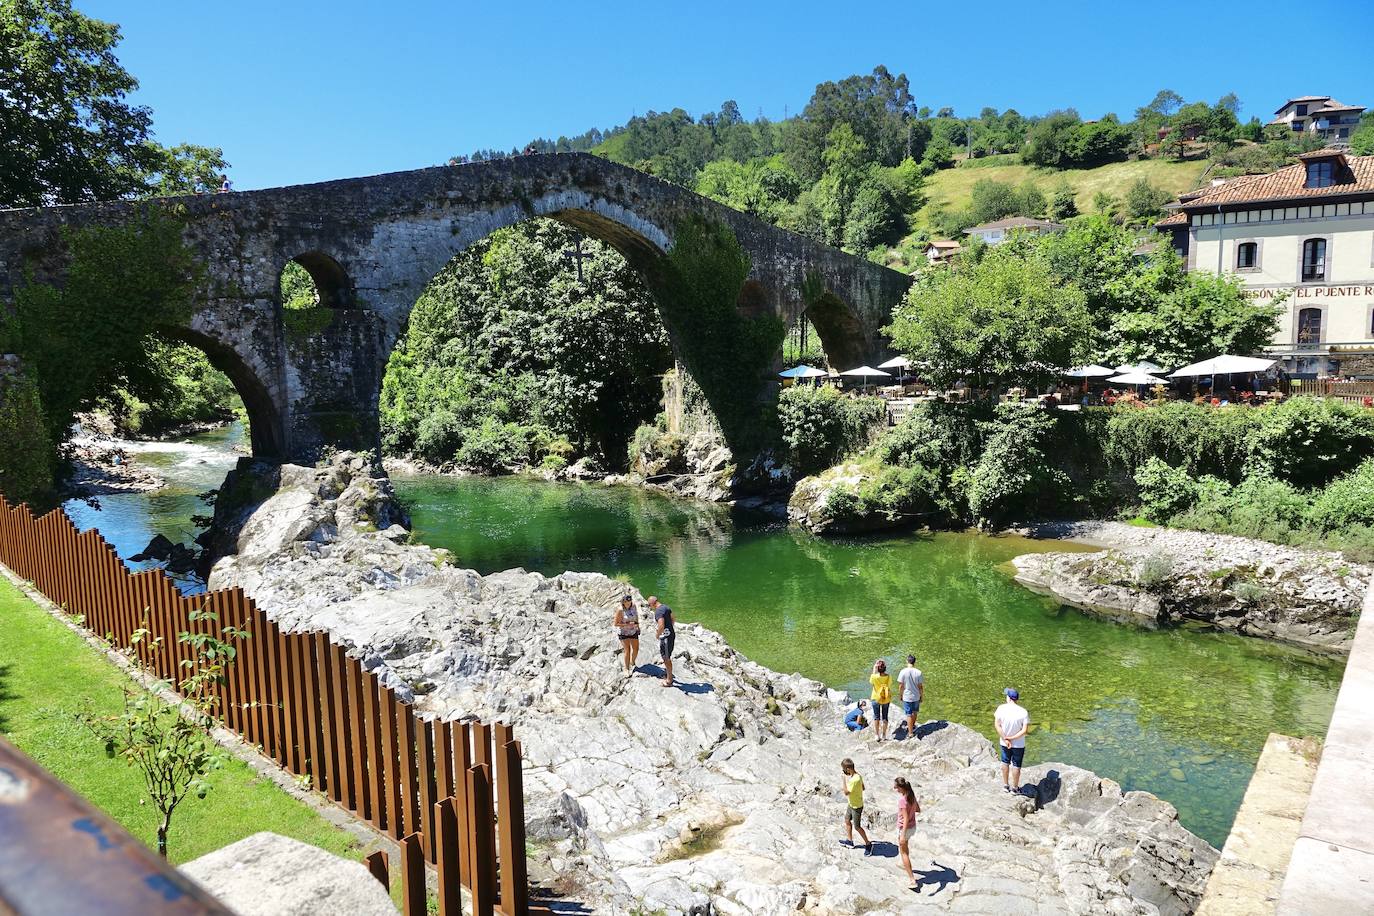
[(372, 244)]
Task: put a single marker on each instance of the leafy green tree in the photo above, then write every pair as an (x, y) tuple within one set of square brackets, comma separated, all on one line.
[(878, 108), (846, 168), (1063, 204), (70, 134), (508, 332), (992, 200), (995, 320), (874, 218), (1031, 201), (1104, 203), (1144, 202), (99, 331), (1050, 140), (1362, 138), (1165, 102)]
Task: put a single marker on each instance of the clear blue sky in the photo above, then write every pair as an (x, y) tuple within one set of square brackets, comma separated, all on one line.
[(305, 91)]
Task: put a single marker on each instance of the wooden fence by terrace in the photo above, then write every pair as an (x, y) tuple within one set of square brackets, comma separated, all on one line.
[(449, 792)]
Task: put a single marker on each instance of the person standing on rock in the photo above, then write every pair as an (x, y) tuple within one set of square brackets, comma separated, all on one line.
[(913, 693), (907, 809), (881, 697), (1012, 722), (854, 812), (627, 625), (667, 634)]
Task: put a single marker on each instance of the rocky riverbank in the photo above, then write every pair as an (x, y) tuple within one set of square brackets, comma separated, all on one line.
[(1159, 576), (642, 798)]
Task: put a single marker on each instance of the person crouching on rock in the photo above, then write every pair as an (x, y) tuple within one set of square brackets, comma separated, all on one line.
[(881, 697), (627, 624), (854, 811), (667, 634), (907, 809), (1012, 722), (855, 717)]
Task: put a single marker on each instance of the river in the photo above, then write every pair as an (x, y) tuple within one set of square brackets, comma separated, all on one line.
[(1182, 713)]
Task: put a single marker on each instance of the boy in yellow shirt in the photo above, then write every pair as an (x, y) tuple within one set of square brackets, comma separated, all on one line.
[(854, 814)]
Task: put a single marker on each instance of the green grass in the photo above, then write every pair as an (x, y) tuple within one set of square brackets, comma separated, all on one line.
[(49, 677), (954, 187), (1140, 521)]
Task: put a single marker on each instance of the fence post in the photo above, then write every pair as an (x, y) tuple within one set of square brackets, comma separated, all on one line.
[(462, 762), (510, 812), (328, 767), (410, 780), (379, 864), (482, 842), (446, 858), (376, 770), (425, 751), (391, 750), (348, 796), (412, 876), (353, 681)]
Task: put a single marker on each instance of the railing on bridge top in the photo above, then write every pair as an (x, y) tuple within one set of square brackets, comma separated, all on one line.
[(449, 792)]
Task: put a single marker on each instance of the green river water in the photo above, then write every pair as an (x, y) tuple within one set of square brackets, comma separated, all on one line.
[(1181, 713)]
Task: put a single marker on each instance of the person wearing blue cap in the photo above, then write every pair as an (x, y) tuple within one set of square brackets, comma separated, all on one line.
[(1012, 722)]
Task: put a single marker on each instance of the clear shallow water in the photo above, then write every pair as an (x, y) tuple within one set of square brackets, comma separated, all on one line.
[(1181, 713), (190, 467)]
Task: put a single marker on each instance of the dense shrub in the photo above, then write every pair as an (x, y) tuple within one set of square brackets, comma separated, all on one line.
[(439, 437), (1310, 441), (1260, 506), (1016, 477), (26, 455), (1346, 502), (1165, 490), (495, 446), (820, 425)]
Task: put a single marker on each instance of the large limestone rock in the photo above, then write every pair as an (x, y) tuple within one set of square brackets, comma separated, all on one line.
[(270, 875), (1162, 575), (724, 789)]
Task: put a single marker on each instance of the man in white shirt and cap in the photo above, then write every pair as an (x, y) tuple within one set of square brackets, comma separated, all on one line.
[(1012, 722)]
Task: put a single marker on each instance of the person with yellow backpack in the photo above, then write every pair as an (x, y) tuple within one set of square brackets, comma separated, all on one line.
[(880, 698)]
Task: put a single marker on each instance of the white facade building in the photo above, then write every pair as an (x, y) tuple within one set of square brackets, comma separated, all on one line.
[(1320, 115), (1302, 236), (998, 231)]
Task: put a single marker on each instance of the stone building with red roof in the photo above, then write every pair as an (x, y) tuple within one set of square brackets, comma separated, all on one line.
[(1303, 235)]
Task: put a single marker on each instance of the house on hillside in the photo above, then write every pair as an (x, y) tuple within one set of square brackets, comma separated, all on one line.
[(997, 232), (1320, 115), (1303, 235), (937, 251)]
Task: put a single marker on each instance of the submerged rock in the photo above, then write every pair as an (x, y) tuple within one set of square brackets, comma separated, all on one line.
[(724, 790)]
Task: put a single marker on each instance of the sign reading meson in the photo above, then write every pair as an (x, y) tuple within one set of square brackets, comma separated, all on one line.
[(1302, 237), (1310, 292)]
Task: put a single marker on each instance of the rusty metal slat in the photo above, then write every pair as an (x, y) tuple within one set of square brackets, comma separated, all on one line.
[(410, 780), (276, 709), (462, 762), (445, 820), (484, 886), (314, 738), (291, 752), (481, 745), (376, 768), (413, 902), (510, 827), (261, 641), (443, 760), (357, 737), (343, 744), (379, 865), (329, 761), (424, 750), (391, 750)]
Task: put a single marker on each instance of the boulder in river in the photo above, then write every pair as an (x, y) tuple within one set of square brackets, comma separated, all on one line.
[(723, 791)]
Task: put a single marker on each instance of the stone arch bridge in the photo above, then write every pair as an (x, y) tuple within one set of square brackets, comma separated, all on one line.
[(373, 244)]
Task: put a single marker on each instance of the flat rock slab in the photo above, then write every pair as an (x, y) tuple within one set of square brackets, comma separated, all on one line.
[(270, 875)]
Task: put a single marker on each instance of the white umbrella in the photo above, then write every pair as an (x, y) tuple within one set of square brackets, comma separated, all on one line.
[(1225, 365), (1135, 378), (866, 372), (803, 372), (1093, 371), (900, 363), (1143, 366)]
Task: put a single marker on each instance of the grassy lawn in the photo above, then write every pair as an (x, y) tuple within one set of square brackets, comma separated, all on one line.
[(48, 677), (954, 187)]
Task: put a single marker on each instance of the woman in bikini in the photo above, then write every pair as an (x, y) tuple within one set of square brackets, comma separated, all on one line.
[(627, 624)]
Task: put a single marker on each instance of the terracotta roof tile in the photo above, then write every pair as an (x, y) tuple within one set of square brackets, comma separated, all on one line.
[(1174, 219), (1357, 176)]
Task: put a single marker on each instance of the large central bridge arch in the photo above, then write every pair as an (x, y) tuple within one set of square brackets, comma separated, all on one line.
[(372, 245)]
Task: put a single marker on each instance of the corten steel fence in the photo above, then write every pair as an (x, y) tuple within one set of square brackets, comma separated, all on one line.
[(449, 792)]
